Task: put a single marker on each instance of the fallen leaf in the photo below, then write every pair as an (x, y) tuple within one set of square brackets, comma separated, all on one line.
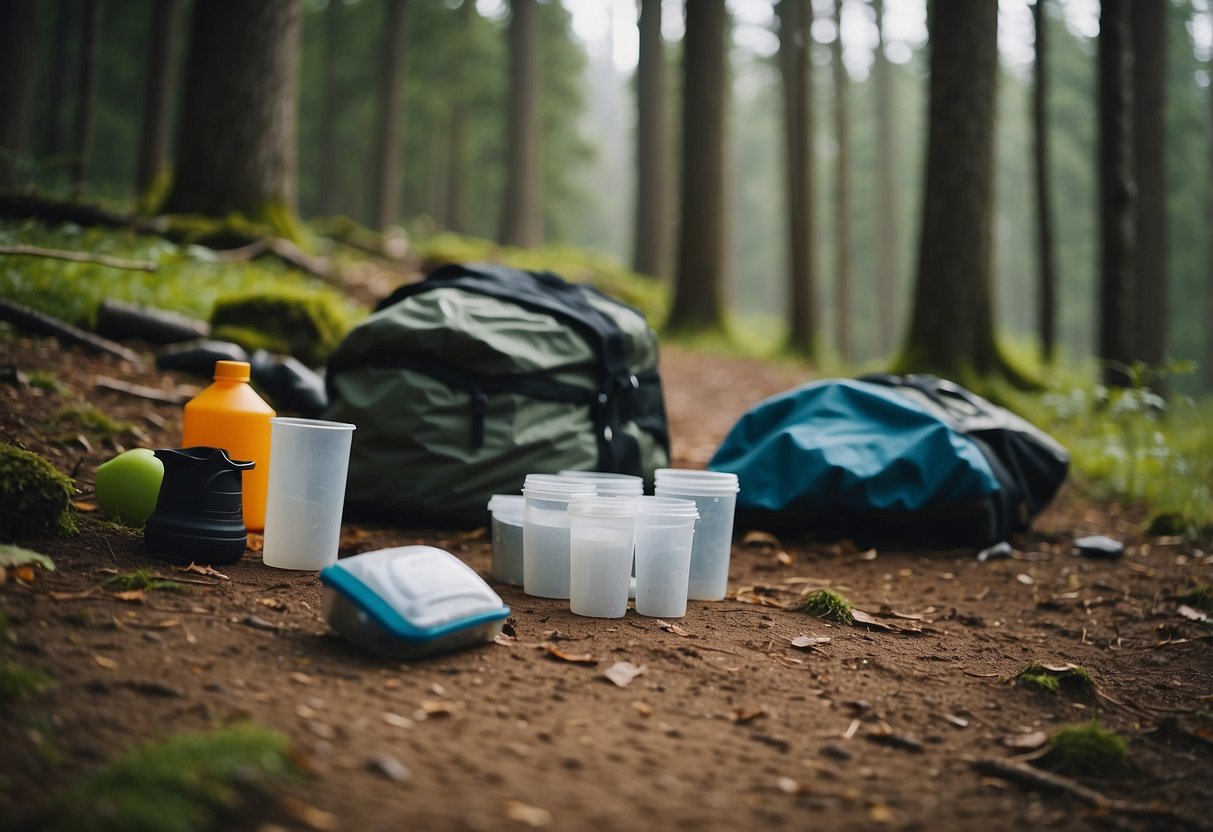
[(103, 661), (1026, 580), (642, 708), (440, 707), (760, 540), (131, 596), (622, 673), (72, 596), (502, 638), (1026, 742), (166, 623), (24, 573), (397, 721), (204, 569), (861, 617), (254, 542), (742, 715), (13, 556), (958, 721), (572, 658), (530, 815), (1192, 614), (302, 678), (389, 767), (310, 816), (880, 813), (84, 506), (870, 554), (672, 628), (272, 603), (809, 642), (787, 785)]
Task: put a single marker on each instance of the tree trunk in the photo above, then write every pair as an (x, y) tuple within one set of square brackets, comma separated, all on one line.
[(157, 95), (90, 34), (887, 289), (328, 124), (952, 326), (699, 283), (52, 127), (1149, 304), (1117, 188), (652, 235), (522, 213), (456, 218), (842, 196), (19, 71), (1209, 264), (795, 62), (236, 148), (1046, 260), (385, 186)]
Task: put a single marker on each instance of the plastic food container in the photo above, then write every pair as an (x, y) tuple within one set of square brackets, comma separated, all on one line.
[(545, 533), (507, 511), (715, 496), (409, 602)]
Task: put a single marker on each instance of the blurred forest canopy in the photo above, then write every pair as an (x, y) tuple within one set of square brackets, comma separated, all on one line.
[(457, 70)]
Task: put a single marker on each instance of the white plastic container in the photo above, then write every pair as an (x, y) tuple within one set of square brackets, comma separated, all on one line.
[(306, 492), (665, 529), (715, 495), (507, 511), (545, 533), (610, 485), (602, 537)]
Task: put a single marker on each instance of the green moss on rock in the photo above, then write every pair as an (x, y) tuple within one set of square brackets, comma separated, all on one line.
[(1070, 678), (36, 496), (307, 325), (1087, 750)]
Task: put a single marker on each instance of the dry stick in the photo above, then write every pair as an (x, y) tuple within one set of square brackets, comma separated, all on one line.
[(80, 257), (155, 394), (40, 323)]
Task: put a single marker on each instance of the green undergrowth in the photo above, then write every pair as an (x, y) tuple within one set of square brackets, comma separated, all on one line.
[(827, 605), (1070, 679), (85, 418), (1086, 750), (19, 683), (185, 783), (145, 580)]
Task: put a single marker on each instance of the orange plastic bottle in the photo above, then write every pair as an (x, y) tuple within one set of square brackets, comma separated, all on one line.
[(230, 415)]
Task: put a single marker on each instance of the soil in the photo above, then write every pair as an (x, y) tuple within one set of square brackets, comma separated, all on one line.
[(730, 726)]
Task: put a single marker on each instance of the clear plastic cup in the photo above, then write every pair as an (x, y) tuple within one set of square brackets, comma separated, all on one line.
[(309, 459), (507, 511), (610, 485), (602, 537), (665, 529), (715, 495), (545, 533)]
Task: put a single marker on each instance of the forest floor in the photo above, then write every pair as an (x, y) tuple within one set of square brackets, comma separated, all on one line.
[(729, 727)]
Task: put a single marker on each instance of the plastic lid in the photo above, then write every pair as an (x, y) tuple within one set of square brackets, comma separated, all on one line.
[(622, 485), (666, 507), (232, 370), (555, 487), (690, 481), (594, 505), (507, 503)]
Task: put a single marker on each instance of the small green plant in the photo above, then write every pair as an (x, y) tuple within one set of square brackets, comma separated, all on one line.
[(1068, 678), (48, 382), (184, 783), (17, 682), (1087, 750), (1200, 595), (36, 497), (87, 419), (828, 605), (145, 580)]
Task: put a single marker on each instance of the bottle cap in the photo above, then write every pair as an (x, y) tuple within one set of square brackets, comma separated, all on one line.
[(232, 370)]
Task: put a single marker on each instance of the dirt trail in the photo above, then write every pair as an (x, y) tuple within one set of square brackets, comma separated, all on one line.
[(729, 727)]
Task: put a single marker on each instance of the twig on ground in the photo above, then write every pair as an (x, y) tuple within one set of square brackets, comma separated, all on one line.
[(80, 257), (155, 394)]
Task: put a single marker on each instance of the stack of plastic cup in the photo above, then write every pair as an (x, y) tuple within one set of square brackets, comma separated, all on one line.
[(545, 533), (507, 511), (665, 528), (602, 537), (610, 485), (715, 495)]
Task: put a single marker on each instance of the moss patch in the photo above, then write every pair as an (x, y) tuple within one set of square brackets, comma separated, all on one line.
[(1200, 596), (307, 325), (20, 683), (87, 419), (181, 784), (828, 605), (36, 496), (1071, 679), (48, 382), (1087, 750), (145, 580)]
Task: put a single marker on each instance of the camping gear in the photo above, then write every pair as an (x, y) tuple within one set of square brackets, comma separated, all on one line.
[(909, 459), (545, 533), (715, 496), (230, 415), (465, 382), (410, 601), (602, 539), (128, 485), (507, 511), (288, 383), (306, 492), (198, 514), (665, 530)]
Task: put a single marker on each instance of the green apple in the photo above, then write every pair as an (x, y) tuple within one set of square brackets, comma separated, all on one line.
[(128, 485)]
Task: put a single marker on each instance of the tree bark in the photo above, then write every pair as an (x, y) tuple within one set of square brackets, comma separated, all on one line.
[(157, 95), (457, 159), (522, 213), (795, 62), (328, 125), (887, 290), (952, 325), (1117, 189), (652, 234), (19, 71), (52, 128), (236, 148), (699, 283), (82, 146), (1209, 263), (385, 186), (1046, 260), (1149, 304), (842, 195)]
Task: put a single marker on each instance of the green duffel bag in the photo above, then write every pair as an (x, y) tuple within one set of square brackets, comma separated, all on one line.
[(462, 384)]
